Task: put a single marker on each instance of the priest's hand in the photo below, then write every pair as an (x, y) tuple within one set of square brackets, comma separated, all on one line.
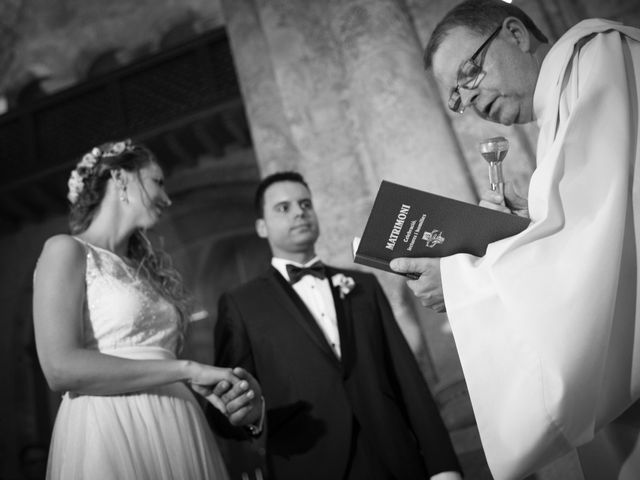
[(428, 287), (511, 202)]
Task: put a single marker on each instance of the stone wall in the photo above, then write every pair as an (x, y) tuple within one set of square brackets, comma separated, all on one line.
[(57, 41)]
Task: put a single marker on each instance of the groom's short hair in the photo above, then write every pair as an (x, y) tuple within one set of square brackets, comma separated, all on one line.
[(266, 182)]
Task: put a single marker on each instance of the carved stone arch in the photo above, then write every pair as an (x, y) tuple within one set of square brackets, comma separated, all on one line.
[(220, 263)]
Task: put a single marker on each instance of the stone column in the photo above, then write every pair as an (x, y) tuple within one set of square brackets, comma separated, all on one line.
[(398, 116), (261, 93), (336, 90)]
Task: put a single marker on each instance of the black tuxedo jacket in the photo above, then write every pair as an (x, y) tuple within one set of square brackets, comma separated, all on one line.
[(312, 397)]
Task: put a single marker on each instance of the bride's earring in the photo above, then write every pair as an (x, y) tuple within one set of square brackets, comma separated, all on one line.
[(121, 185), (124, 198)]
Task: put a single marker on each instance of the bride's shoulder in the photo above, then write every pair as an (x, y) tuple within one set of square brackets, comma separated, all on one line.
[(62, 259), (63, 247)]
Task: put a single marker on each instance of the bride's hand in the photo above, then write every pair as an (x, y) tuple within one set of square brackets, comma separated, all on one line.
[(211, 397), (208, 375), (204, 378)]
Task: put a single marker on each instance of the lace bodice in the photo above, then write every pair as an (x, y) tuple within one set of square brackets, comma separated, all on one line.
[(122, 310)]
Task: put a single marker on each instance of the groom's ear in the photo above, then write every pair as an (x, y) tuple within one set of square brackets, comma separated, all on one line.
[(261, 228)]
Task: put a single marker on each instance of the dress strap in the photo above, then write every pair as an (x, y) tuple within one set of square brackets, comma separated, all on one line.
[(86, 245)]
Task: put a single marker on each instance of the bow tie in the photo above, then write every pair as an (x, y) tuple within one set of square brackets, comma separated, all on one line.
[(296, 273)]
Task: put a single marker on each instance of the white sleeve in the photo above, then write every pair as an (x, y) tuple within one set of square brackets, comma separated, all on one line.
[(545, 322)]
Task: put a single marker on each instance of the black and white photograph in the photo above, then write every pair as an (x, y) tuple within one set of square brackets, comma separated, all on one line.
[(201, 279)]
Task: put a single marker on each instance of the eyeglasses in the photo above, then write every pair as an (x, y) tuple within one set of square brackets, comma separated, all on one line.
[(471, 73)]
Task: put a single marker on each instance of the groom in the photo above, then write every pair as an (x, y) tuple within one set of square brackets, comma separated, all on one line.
[(345, 399)]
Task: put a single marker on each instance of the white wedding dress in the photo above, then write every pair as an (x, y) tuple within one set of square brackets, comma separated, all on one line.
[(154, 434)]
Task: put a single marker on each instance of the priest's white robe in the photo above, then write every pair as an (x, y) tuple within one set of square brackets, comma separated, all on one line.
[(547, 322)]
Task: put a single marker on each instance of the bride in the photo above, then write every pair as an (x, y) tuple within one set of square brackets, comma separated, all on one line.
[(110, 314)]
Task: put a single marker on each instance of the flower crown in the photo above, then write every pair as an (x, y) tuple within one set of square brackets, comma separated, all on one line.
[(86, 166)]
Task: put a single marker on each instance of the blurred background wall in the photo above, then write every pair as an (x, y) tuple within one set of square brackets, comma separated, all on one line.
[(226, 92)]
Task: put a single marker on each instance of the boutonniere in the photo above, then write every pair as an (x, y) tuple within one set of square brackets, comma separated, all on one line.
[(346, 284)]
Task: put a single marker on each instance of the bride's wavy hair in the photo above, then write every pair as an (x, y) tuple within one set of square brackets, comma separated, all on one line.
[(152, 263)]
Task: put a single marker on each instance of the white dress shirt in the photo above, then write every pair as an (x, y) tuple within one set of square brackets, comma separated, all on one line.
[(316, 295)]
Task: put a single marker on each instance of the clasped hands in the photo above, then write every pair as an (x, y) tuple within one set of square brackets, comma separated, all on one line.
[(428, 287), (235, 393)]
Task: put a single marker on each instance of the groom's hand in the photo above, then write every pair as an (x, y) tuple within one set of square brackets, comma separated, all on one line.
[(242, 400)]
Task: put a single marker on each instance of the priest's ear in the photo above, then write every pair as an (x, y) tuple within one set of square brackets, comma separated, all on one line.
[(517, 33), (261, 228)]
